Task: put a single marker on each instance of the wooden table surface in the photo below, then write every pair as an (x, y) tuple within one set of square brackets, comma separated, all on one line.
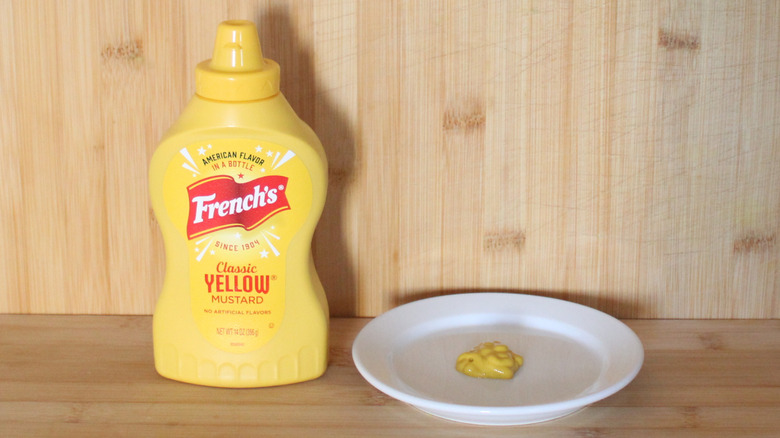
[(94, 376)]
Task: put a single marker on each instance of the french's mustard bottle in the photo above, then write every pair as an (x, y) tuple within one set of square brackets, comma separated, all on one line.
[(237, 185)]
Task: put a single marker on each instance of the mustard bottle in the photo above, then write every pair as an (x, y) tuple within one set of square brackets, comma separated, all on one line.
[(238, 185)]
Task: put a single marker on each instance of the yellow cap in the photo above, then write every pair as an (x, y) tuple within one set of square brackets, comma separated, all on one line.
[(237, 70)]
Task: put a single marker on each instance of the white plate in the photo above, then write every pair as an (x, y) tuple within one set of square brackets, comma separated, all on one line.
[(574, 356)]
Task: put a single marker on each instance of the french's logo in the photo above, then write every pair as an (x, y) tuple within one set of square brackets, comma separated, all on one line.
[(220, 202)]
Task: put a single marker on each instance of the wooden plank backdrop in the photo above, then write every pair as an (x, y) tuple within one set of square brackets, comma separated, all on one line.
[(620, 154)]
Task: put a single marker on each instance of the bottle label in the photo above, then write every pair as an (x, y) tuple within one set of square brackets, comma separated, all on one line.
[(237, 203)]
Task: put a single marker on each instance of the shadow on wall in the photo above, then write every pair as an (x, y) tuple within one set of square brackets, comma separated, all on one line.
[(281, 43), (606, 303)]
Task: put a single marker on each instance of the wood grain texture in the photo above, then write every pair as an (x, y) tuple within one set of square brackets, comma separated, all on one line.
[(620, 154), (86, 376)]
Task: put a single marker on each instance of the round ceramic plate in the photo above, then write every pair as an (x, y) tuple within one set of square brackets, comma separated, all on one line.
[(574, 356)]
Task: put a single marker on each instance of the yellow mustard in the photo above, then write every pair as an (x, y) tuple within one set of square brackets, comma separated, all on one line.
[(238, 184), (490, 360)]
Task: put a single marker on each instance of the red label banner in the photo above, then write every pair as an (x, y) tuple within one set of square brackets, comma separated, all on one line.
[(220, 202)]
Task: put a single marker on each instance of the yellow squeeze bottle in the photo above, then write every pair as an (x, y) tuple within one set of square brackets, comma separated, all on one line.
[(237, 185)]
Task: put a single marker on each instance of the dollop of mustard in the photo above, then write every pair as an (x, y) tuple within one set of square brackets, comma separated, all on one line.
[(489, 360)]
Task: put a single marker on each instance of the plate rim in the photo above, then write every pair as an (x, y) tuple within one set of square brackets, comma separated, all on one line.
[(427, 404)]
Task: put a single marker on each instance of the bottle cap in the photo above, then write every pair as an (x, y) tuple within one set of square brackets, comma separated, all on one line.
[(237, 70)]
